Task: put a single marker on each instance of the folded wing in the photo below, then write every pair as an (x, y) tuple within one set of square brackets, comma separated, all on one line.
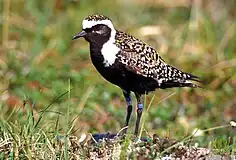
[(142, 59)]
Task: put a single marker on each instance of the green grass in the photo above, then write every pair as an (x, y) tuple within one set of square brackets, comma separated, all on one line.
[(223, 145), (50, 91)]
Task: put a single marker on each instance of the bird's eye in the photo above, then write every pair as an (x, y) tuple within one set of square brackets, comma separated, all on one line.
[(97, 27)]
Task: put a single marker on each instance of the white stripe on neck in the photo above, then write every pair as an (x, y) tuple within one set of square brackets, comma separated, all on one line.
[(109, 49)]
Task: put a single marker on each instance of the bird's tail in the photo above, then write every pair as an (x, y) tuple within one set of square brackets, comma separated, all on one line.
[(182, 79), (192, 81)]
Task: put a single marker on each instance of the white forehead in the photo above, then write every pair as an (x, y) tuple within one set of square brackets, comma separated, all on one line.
[(90, 24)]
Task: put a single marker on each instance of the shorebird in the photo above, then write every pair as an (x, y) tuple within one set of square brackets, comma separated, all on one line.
[(129, 63)]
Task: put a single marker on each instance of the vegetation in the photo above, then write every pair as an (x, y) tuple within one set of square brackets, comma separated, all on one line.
[(51, 96)]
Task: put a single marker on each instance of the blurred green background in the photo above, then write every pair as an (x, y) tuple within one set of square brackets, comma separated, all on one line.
[(39, 62)]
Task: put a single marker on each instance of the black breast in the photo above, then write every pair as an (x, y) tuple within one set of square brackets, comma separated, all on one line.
[(113, 73), (119, 75)]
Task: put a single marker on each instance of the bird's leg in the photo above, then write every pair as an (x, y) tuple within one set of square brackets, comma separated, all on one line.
[(139, 111), (129, 106)]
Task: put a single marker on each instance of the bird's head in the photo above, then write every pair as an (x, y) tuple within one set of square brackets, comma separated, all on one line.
[(96, 28)]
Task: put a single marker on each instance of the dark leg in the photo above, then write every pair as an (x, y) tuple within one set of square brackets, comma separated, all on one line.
[(139, 112), (129, 106)]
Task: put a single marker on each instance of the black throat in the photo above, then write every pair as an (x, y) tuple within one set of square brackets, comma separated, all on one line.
[(96, 50), (98, 38), (96, 42)]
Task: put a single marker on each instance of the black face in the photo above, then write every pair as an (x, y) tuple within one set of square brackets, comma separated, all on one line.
[(97, 34)]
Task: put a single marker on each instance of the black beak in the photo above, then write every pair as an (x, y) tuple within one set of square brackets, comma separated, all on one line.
[(78, 35)]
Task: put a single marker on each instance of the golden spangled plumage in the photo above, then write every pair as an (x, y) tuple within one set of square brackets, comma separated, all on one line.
[(142, 59), (96, 17)]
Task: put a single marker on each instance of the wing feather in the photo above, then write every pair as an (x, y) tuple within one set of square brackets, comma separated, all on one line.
[(142, 59)]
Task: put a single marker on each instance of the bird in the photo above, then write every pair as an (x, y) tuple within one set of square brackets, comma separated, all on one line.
[(129, 63)]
